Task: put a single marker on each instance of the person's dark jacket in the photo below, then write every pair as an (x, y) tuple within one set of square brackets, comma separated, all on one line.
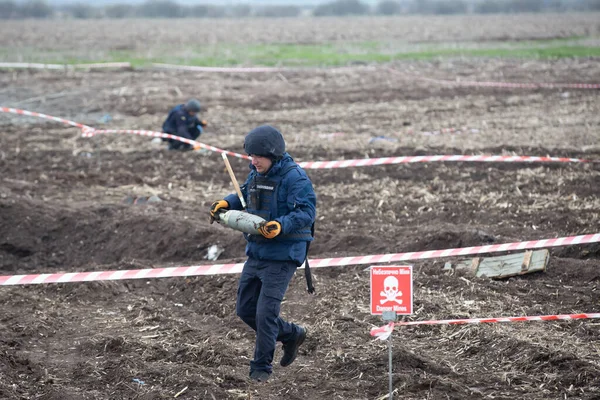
[(182, 124), (292, 203)]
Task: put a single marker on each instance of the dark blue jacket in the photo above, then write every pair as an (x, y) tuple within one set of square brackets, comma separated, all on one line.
[(182, 124), (285, 194)]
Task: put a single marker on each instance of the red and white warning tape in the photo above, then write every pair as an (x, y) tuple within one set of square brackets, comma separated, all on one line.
[(219, 269), (461, 251), (519, 85), (88, 131), (354, 163), (501, 319), (195, 144), (385, 331), (244, 70), (218, 69), (416, 159), (44, 116), (104, 65), (64, 66)]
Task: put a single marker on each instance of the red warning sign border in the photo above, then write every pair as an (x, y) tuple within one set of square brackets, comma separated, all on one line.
[(372, 294)]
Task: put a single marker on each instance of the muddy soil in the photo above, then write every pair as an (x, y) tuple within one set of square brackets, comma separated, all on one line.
[(62, 208)]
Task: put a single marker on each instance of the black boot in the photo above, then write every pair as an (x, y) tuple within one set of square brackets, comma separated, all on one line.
[(290, 349), (259, 376)]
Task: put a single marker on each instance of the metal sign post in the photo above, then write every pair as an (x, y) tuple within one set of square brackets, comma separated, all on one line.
[(391, 295), (390, 316)]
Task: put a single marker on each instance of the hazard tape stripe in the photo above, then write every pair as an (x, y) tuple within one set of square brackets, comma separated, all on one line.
[(554, 317), (257, 69), (357, 162), (218, 269), (88, 131), (218, 69), (44, 116), (384, 332), (195, 144), (434, 158), (65, 66)]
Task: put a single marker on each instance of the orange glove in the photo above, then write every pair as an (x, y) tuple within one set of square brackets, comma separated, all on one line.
[(270, 229), (203, 123), (216, 206)]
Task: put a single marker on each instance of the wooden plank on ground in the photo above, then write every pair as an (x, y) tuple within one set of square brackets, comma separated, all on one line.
[(504, 266)]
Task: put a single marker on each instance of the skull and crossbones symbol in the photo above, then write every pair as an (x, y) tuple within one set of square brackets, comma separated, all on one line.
[(390, 290)]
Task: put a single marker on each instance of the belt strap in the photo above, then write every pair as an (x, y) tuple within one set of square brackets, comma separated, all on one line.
[(307, 273)]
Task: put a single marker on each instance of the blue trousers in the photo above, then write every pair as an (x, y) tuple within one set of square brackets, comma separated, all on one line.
[(260, 292), (177, 145)]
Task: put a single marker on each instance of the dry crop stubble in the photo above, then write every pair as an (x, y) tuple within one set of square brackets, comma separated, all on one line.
[(61, 211)]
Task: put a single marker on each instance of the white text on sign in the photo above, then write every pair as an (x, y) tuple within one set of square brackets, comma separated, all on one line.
[(391, 290)]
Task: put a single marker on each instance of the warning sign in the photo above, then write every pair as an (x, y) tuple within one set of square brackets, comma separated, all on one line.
[(391, 289)]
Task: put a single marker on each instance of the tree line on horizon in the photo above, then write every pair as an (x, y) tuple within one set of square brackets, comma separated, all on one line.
[(10, 9)]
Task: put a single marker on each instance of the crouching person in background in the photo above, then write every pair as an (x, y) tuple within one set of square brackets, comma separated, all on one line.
[(183, 121)]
